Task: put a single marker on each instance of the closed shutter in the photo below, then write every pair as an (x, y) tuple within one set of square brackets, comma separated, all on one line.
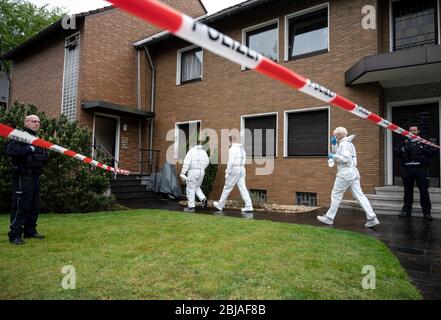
[(308, 133), (258, 145)]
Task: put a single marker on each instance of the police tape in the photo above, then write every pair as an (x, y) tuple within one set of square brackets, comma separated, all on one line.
[(15, 134), (208, 38)]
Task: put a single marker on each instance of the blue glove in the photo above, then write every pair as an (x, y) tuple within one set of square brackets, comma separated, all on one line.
[(333, 140), (330, 156)]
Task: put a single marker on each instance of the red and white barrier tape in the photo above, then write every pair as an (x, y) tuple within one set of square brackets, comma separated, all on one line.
[(208, 38), (15, 134)]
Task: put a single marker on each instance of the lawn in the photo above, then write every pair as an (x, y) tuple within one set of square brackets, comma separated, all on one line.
[(154, 254)]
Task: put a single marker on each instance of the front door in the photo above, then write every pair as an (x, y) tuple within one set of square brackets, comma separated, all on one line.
[(105, 138), (426, 117)]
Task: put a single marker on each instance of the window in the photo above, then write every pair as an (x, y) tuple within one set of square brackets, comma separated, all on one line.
[(190, 62), (264, 40), (186, 135), (258, 195), (307, 133), (308, 34), (414, 23), (4, 87), (260, 135), (70, 77), (306, 199)]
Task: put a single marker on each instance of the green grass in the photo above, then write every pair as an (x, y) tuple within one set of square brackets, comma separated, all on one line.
[(154, 254)]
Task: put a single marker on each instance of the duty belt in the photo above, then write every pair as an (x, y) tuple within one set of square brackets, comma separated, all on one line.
[(412, 163)]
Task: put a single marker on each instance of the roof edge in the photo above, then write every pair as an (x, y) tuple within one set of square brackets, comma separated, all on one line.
[(219, 15), (9, 55)]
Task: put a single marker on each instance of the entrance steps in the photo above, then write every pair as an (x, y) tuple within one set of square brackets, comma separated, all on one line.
[(131, 188), (388, 200)]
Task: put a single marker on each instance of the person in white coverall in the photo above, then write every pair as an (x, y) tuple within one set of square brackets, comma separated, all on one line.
[(235, 174), (347, 177), (195, 163)]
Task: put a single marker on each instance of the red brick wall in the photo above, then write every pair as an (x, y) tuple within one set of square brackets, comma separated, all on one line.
[(226, 93), (109, 67), (37, 76)]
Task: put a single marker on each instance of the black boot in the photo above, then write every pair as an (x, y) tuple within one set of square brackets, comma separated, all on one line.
[(17, 241), (404, 213), (428, 216)]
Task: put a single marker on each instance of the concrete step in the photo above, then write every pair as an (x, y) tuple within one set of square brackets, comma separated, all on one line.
[(381, 198), (388, 190), (130, 177), (126, 189), (391, 209), (134, 195)]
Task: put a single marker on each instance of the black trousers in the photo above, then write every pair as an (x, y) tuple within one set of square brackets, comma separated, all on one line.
[(25, 205), (410, 175)]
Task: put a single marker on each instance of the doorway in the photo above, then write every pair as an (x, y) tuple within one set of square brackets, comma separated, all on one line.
[(106, 138), (427, 117)]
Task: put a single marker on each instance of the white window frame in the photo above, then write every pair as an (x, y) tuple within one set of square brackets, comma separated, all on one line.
[(301, 13), (391, 27), (259, 26), (257, 115), (176, 144), (179, 63), (388, 139), (64, 71), (285, 131), (117, 134)]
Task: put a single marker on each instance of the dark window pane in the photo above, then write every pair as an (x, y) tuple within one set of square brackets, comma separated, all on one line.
[(187, 130), (191, 65), (308, 133), (260, 138), (414, 23), (264, 41), (308, 33)]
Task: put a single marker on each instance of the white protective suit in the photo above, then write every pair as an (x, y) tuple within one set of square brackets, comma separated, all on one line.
[(195, 163), (235, 174), (347, 177)]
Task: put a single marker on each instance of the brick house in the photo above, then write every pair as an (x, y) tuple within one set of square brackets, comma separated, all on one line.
[(393, 69), (90, 74)]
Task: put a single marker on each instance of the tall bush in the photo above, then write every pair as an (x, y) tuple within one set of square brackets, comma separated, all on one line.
[(67, 185)]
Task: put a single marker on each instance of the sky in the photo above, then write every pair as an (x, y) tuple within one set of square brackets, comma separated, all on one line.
[(77, 6)]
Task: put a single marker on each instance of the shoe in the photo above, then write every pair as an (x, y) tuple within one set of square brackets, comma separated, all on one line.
[(247, 209), (404, 214), (204, 203), (189, 209), (372, 223), (217, 206), (325, 219), (35, 235), (17, 241), (428, 217)]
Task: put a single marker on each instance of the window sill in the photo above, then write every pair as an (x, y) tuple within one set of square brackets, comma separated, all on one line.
[(189, 81), (307, 157), (308, 55)]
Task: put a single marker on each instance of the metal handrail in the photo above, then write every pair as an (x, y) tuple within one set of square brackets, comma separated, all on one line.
[(109, 156), (151, 161)]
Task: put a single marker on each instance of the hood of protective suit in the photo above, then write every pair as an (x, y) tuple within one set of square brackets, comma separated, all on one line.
[(349, 139)]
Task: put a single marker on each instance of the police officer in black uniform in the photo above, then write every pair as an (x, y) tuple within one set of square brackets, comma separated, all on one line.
[(414, 160), (27, 162)]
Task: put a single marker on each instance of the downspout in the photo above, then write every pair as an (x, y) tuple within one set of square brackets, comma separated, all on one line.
[(139, 108), (152, 96)]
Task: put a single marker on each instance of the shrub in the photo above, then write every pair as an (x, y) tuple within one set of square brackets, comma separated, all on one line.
[(210, 176), (67, 185)]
